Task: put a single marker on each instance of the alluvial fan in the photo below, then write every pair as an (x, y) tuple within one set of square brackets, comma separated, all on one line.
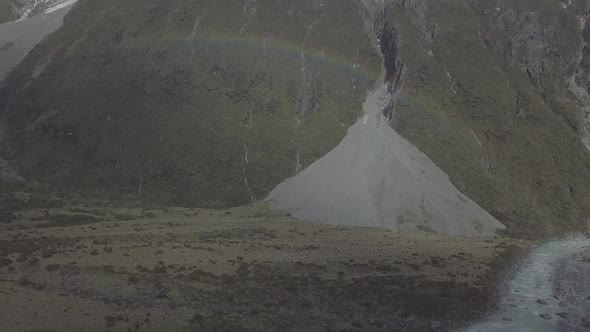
[(374, 177)]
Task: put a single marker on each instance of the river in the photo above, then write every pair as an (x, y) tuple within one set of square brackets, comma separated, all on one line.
[(549, 292)]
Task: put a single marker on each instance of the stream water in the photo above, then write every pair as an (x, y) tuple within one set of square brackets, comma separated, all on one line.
[(534, 300)]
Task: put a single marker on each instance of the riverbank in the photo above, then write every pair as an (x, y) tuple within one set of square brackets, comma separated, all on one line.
[(547, 293), (94, 268)]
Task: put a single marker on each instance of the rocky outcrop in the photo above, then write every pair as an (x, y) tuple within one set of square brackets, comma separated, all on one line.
[(546, 43), (579, 83), (488, 95), (25, 9)]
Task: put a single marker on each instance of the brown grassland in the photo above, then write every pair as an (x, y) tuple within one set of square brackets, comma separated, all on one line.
[(80, 268)]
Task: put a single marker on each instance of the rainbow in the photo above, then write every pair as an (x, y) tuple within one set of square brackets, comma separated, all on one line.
[(284, 47), (292, 50)]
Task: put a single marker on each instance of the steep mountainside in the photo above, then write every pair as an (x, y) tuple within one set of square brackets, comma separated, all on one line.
[(214, 103), (495, 93), (210, 103)]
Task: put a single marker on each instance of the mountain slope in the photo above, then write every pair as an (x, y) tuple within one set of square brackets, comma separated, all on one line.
[(173, 103), (214, 103), (486, 94)]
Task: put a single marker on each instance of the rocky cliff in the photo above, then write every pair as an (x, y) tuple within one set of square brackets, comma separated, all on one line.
[(495, 93)]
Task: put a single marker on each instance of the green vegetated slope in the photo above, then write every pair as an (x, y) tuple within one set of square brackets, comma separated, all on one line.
[(486, 97), (210, 103), (182, 102)]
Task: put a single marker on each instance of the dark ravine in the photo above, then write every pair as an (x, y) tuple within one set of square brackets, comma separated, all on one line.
[(507, 142)]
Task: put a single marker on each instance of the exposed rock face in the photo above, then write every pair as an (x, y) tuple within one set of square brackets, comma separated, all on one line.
[(18, 10), (376, 178), (488, 94), (28, 8), (579, 83)]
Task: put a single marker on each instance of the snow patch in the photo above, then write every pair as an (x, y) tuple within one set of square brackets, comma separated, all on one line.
[(30, 8), (23, 35), (60, 6)]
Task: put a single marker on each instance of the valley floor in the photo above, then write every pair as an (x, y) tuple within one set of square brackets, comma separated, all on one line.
[(81, 268)]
